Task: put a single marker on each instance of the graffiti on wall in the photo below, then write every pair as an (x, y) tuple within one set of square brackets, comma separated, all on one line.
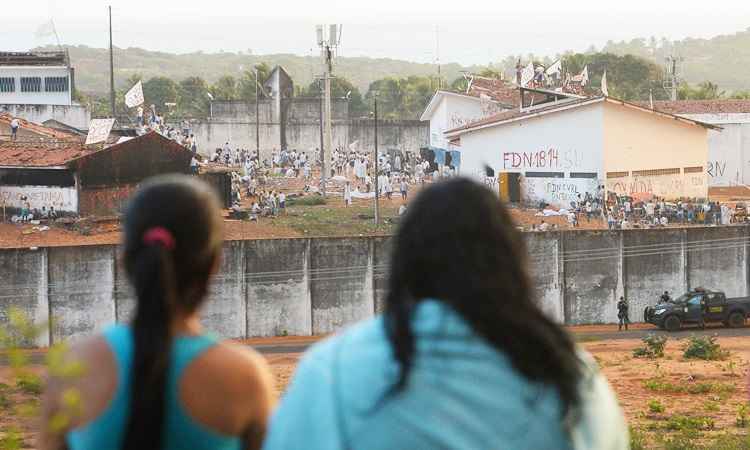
[(558, 191), (716, 169), (667, 186), (543, 159), (62, 199)]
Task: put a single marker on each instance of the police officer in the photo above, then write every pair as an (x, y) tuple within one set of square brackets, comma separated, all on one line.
[(622, 313)]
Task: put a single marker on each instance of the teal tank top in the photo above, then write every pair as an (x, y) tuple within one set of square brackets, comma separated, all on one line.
[(107, 431)]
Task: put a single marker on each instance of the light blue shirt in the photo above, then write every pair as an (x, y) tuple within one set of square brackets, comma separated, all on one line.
[(462, 394)]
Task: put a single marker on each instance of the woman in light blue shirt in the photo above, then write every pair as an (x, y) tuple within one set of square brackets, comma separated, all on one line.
[(462, 358)]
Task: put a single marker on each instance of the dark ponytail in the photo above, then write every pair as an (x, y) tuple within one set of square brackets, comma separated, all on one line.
[(153, 280), (172, 241), (458, 244)]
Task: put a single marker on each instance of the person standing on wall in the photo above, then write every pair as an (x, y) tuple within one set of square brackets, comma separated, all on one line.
[(14, 124), (162, 382), (622, 314)]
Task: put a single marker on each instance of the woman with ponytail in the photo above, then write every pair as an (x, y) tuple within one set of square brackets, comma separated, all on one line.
[(162, 382), (462, 358)]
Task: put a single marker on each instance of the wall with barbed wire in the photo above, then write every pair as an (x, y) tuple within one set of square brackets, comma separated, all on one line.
[(321, 285)]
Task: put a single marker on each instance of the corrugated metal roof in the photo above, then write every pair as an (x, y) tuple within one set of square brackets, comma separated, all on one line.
[(701, 106)]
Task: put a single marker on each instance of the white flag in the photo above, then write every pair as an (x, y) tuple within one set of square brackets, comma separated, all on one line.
[(527, 74), (605, 91), (99, 130), (45, 30), (134, 97), (555, 68), (585, 76)]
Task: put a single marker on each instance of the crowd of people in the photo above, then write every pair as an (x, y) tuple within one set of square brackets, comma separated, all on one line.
[(152, 120), (624, 212), (477, 352)]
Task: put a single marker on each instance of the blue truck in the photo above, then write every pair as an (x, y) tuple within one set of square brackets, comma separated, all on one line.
[(698, 307)]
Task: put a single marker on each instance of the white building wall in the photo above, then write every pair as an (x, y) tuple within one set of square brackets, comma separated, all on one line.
[(77, 116), (452, 112), (63, 199), (728, 149), (562, 142), (35, 98)]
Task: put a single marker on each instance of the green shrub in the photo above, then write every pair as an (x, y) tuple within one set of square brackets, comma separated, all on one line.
[(711, 406), (655, 406), (742, 413), (654, 347), (704, 347), (30, 384), (637, 439), (308, 200)]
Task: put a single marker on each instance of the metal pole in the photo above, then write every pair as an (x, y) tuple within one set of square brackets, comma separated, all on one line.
[(377, 189), (257, 115), (328, 138), (111, 67), (321, 154)]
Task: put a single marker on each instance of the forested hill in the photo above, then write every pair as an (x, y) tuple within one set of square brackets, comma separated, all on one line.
[(723, 60), (92, 67)]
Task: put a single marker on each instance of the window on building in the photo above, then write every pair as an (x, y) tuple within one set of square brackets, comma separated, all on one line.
[(56, 84), (583, 175), (7, 84), (617, 174), (656, 172), (31, 84), (693, 169), (545, 175)]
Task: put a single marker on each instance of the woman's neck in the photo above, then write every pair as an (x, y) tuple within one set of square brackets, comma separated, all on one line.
[(189, 325)]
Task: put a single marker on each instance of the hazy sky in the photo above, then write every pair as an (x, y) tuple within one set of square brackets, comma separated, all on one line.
[(474, 32)]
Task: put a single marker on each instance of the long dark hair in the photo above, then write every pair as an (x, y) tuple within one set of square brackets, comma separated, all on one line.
[(172, 241), (458, 244)]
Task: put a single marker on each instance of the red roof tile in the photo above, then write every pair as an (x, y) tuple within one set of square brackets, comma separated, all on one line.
[(41, 155), (39, 130)]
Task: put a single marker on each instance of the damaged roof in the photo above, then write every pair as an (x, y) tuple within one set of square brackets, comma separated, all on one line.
[(40, 131), (701, 106), (58, 154), (58, 58)]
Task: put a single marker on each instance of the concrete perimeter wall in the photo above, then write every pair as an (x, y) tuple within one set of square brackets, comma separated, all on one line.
[(321, 285)]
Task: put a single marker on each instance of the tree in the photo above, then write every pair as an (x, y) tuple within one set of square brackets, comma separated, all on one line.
[(159, 91), (247, 82), (704, 91), (628, 77), (340, 88), (193, 99), (225, 88), (401, 98), (740, 95)]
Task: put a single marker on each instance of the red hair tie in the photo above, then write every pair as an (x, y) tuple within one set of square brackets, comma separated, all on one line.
[(159, 236)]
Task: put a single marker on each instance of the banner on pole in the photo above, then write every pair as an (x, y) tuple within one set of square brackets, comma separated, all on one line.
[(527, 74), (134, 97), (99, 130)]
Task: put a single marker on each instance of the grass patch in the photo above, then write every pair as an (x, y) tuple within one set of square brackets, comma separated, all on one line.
[(742, 415), (711, 406), (637, 439), (695, 423), (324, 220), (705, 348), (307, 200), (659, 385)]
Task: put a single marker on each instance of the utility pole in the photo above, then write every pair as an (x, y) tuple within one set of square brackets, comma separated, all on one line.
[(672, 76), (322, 145), (327, 47), (111, 68), (377, 188), (257, 115)]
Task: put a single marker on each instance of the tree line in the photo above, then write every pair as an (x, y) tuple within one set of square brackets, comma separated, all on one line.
[(629, 77)]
